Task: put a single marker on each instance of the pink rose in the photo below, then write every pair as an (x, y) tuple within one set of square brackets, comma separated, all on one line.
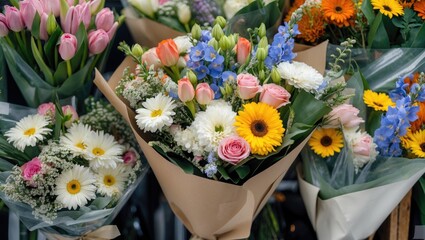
[(363, 148), (69, 111), (30, 169), (233, 149), (186, 91), (274, 95), (130, 157), (363, 145), (248, 85), (344, 114), (151, 58), (47, 110), (204, 93)]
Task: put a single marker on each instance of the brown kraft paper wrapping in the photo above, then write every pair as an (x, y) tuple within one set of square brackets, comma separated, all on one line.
[(146, 32), (209, 209), (314, 56)]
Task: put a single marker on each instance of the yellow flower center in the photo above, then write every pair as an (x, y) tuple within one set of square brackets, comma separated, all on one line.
[(29, 132), (73, 186), (326, 141), (156, 113), (109, 180), (259, 128), (80, 145), (98, 151)]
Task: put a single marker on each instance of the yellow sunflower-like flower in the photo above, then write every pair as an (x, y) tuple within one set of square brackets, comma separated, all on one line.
[(260, 125), (416, 143), (325, 142), (338, 11), (388, 8), (377, 101)]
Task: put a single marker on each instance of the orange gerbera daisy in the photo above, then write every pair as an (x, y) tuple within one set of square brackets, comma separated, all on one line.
[(339, 11), (420, 8), (406, 3), (417, 125), (411, 80)]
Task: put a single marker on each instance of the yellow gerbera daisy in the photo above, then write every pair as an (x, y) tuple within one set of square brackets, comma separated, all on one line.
[(377, 101), (416, 143), (388, 7), (260, 125), (325, 142)]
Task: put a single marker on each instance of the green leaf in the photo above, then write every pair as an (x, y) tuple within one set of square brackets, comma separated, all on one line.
[(11, 154), (308, 110), (82, 48), (368, 12), (172, 23), (61, 73), (378, 37), (242, 171), (295, 132), (44, 68), (373, 121), (186, 166), (35, 29), (50, 46), (223, 172), (419, 40), (5, 165)]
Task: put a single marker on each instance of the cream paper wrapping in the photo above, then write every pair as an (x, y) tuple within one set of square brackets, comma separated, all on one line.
[(356, 215), (146, 32), (209, 209)]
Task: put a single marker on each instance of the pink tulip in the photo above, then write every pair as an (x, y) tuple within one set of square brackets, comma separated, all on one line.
[(28, 10), (43, 27), (14, 19), (233, 149), (248, 85), (95, 6), (186, 91), (75, 16), (70, 111), (105, 19), (98, 41), (112, 31), (67, 46), (168, 53), (4, 30), (72, 2), (204, 93), (30, 169), (243, 49), (150, 58), (274, 95), (51, 6)]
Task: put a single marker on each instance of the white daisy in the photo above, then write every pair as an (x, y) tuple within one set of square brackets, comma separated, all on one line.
[(110, 181), (214, 124), (28, 131), (300, 75), (75, 187), (156, 114), (102, 150), (75, 138)]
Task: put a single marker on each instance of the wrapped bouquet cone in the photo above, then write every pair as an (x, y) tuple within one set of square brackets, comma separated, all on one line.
[(312, 55), (209, 209)]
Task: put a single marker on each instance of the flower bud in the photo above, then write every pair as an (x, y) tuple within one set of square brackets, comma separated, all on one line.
[(220, 21), (196, 32), (275, 76), (262, 30), (224, 43), (43, 34), (14, 19), (137, 50), (261, 75), (228, 89), (98, 41), (217, 32), (263, 42), (192, 77), (243, 50), (204, 93), (167, 52), (214, 43), (51, 24), (186, 92), (67, 46), (4, 30), (105, 19), (183, 13), (261, 54)]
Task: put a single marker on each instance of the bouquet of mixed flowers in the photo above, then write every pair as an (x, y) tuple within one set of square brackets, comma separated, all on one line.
[(61, 174), (52, 46), (353, 160), (217, 114), (172, 18), (374, 24)]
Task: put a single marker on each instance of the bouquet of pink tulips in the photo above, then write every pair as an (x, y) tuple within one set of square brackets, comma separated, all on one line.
[(52, 46)]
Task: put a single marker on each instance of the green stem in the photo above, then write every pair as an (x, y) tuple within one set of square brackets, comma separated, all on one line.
[(176, 72), (186, 26), (40, 47), (191, 106), (9, 42), (69, 68)]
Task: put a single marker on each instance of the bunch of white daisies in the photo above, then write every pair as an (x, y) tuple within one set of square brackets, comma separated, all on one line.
[(69, 170)]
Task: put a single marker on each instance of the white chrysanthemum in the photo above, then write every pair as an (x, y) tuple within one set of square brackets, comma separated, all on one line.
[(300, 75), (110, 181), (156, 114), (102, 150), (28, 131), (214, 124), (188, 140), (76, 137), (75, 187)]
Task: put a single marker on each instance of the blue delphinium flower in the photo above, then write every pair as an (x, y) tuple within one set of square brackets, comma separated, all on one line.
[(205, 36), (216, 67), (228, 76), (281, 49), (205, 61)]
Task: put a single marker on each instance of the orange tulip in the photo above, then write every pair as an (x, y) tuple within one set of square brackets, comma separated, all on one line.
[(167, 52), (243, 49)]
